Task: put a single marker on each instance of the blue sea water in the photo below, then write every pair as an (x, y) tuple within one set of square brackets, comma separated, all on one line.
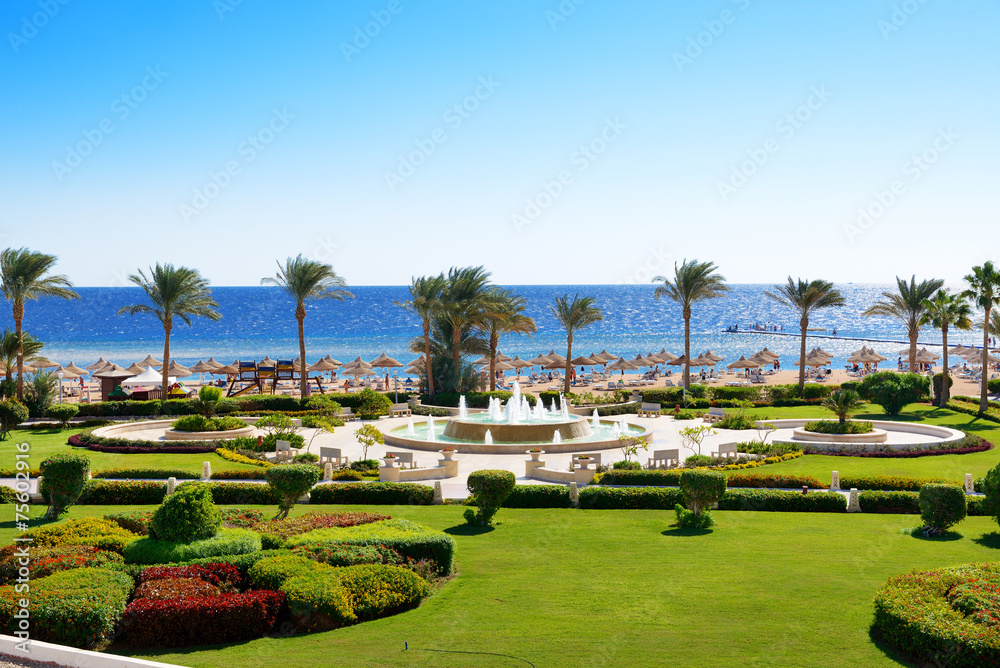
[(259, 321)]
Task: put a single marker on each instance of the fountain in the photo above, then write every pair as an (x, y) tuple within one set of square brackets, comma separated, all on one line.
[(509, 428)]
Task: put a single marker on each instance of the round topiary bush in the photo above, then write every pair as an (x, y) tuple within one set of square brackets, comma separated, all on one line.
[(12, 413), (186, 515), (63, 413), (376, 590), (941, 507), (491, 488), (991, 488), (946, 617), (63, 477), (290, 482)]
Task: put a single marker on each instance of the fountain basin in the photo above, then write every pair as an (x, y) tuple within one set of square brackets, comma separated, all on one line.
[(535, 432)]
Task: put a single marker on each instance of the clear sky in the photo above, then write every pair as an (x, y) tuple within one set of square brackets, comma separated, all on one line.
[(577, 142)]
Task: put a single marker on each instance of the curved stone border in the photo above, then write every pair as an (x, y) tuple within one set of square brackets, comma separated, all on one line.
[(874, 436), (509, 448), (173, 435), (122, 430), (61, 655), (935, 435)]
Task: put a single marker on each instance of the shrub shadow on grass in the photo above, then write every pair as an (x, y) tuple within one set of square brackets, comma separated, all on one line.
[(679, 532), (945, 537), (467, 530), (890, 651), (990, 540)]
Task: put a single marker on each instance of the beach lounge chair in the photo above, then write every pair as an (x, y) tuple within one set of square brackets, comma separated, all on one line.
[(668, 383), (333, 456), (664, 459), (649, 410), (285, 451), (715, 414)]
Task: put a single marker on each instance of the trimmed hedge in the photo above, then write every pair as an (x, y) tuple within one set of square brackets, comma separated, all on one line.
[(78, 607), (122, 493), (226, 542), (924, 614), (538, 496), (893, 503), (146, 474), (630, 498), (129, 447), (273, 572), (278, 531), (102, 534), (317, 601), (377, 590), (407, 538), (891, 482), (374, 493), (770, 500), (182, 622), (472, 399), (672, 478)]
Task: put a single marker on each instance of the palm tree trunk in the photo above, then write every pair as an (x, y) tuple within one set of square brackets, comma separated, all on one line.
[(428, 367), (164, 374), (569, 361), (983, 393), (945, 390), (456, 355), (686, 378), (804, 326), (18, 317), (300, 315), (493, 363), (913, 348)]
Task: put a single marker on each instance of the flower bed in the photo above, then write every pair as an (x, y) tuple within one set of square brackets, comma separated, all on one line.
[(672, 478), (891, 482), (971, 443), (98, 533), (952, 612), (834, 427), (48, 560), (145, 474), (226, 542), (136, 447), (278, 531)]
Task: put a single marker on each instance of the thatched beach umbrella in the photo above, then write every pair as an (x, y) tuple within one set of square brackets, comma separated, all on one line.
[(621, 364), (540, 360), (72, 368), (149, 361), (358, 363), (503, 358), (519, 364), (99, 364), (708, 354), (742, 363), (66, 373), (178, 370), (664, 356), (43, 363), (136, 369)]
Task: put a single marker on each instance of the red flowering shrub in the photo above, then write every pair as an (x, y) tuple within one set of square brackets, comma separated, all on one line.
[(169, 588), (201, 620), (48, 560), (286, 528), (978, 599), (215, 574)]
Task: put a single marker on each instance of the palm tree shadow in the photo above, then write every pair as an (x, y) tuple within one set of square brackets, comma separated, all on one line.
[(990, 540), (679, 532)]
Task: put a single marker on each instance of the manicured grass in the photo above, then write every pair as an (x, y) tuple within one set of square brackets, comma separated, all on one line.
[(50, 442), (944, 466), (621, 588)]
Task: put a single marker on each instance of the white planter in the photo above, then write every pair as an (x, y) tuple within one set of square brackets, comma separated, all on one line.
[(535, 455), (448, 455), (390, 461)]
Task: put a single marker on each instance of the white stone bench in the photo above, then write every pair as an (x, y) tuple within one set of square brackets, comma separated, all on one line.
[(404, 458), (400, 410), (649, 410), (726, 450), (715, 414), (346, 414), (333, 456), (285, 451), (664, 459)]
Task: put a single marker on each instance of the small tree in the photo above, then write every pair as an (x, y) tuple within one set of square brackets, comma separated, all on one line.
[(490, 488), (941, 507), (12, 413), (991, 488), (631, 445), (321, 425), (187, 515), (764, 430), (290, 482), (63, 413), (207, 403), (326, 405), (277, 424), (693, 437), (842, 403), (701, 490), (372, 404), (368, 435), (63, 479), (893, 391)]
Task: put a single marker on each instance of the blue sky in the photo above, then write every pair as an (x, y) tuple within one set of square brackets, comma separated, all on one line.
[(552, 142)]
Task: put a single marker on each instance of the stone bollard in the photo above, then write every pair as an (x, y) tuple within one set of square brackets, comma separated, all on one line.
[(574, 494), (852, 503), (206, 470), (171, 485), (970, 487), (438, 494), (328, 471), (835, 481)]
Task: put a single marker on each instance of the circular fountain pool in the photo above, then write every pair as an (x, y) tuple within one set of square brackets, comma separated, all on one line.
[(513, 428)]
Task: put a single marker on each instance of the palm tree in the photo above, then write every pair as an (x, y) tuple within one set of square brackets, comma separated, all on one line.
[(843, 403), (806, 297), (425, 302), (10, 343), (464, 300), (504, 315), (907, 306), (984, 291), (995, 324), (574, 315), (24, 276), (692, 282), (307, 280), (944, 311), (176, 292)]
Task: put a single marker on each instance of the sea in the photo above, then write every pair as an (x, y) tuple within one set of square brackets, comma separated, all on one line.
[(259, 321)]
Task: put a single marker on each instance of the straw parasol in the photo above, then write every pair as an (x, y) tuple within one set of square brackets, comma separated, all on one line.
[(386, 362), (541, 360), (925, 357), (227, 370), (72, 368), (66, 373), (202, 367), (482, 361), (505, 366), (605, 355), (212, 363), (357, 363), (555, 357), (99, 364), (665, 356), (330, 360), (113, 371), (149, 360), (136, 369), (519, 364), (709, 355), (621, 364), (503, 358), (43, 363), (325, 365), (583, 361), (742, 363), (178, 370), (357, 371)]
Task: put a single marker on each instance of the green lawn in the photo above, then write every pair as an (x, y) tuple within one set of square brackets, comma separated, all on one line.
[(620, 588), (944, 466), (50, 442)]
